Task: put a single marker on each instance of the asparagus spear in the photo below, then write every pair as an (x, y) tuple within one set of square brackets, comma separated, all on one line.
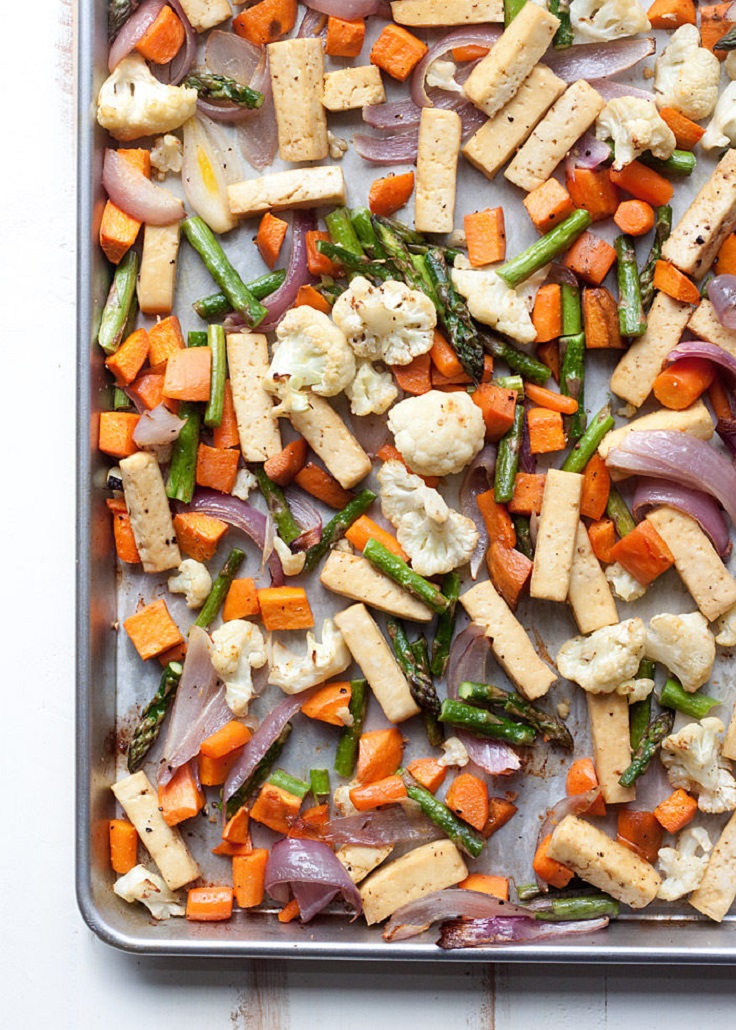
[(589, 442), (445, 625), (523, 535), (360, 218), (221, 87), (356, 264), (203, 240), (514, 704), (153, 714), (455, 316), (399, 256), (563, 38), (520, 362), (696, 705), (291, 784), (572, 312), (662, 229), (181, 480), (118, 12), (347, 746), (591, 906), (259, 774), (459, 832), (118, 304), (680, 162), (286, 524), (656, 731), (545, 249), (342, 232), (220, 587), (641, 711), (197, 338), (337, 527), (510, 9), (420, 652), (617, 510), (484, 724), (420, 681), (572, 381), (319, 783), (400, 572), (216, 304), (631, 318), (507, 461), (120, 400), (218, 375)]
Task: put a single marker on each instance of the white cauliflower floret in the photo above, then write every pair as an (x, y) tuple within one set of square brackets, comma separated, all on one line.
[(238, 647), (291, 563), (133, 103), (311, 351), (438, 433), (139, 884), (294, 673), (492, 302), (693, 760), (455, 753), (390, 322), (245, 481), (682, 866), (686, 75), (726, 626), (167, 155), (634, 125), (635, 690), (623, 583), (193, 580), (685, 645), (604, 660), (371, 392), (608, 19), (721, 131), (442, 74)]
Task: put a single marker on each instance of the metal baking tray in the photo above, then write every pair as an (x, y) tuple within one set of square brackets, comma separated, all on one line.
[(111, 682)]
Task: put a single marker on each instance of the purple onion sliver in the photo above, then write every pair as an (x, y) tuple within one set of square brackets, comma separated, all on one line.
[(467, 660), (132, 30), (400, 148), (314, 865), (312, 24), (348, 10), (390, 824), (478, 933), (173, 72), (157, 427), (590, 152), (599, 60), (701, 349), (614, 90), (700, 506), (451, 903), (722, 295), (480, 35), (138, 196), (297, 273), (495, 757)]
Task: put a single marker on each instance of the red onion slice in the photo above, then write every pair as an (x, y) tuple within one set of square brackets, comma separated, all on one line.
[(666, 454), (231, 55), (136, 195), (722, 295), (599, 60), (416, 917), (136, 25), (576, 804), (157, 427), (483, 35), (173, 72), (348, 10), (652, 492), (307, 517), (390, 824), (313, 24), (400, 149), (258, 134), (297, 273), (478, 933), (614, 90), (477, 480), (590, 152), (302, 866)]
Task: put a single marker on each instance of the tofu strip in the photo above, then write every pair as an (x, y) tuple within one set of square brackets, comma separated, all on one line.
[(635, 373), (164, 843), (605, 863), (297, 74), (510, 644), (555, 135), (432, 867), (498, 76), (323, 186), (729, 741), (361, 859), (157, 275), (370, 650), (704, 323), (439, 146), (717, 890), (330, 438), (608, 715), (353, 576), (446, 12), (589, 594), (248, 362), (558, 528), (697, 237), (350, 88), (712, 586), (695, 421), (150, 515), (203, 14), (497, 141)]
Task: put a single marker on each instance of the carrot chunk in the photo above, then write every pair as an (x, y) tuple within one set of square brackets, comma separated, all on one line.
[(275, 807), (119, 230), (187, 376), (329, 702), (467, 797), (345, 37), (125, 545), (389, 194), (397, 52), (162, 40), (725, 263), (674, 283), (123, 845), (510, 571), (241, 601), (226, 434), (225, 740), (181, 798), (320, 264), (641, 832), (591, 258), (528, 493), (596, 488), (428, 773), (600, 317), (602, 536), (266, 21), (643, 182), (308, 296), (671, 14), (380, 792), (549, 399), (379, 754), (681, 383), (643, 553), (152, 630), (676, 811), (593, 190), (547, 313), (485, 232), (414, 378), (209, 904), (548, 205), (116, 433), (164, 339), (634, 217), (217, 467), (249, 878), (270, 237), (365, 529), (321, 484), (714, 25), (198, 535), (497, 519), (497, 407), (546, 432), (285, 608), (500, 810), (497, 886), (582, 777), (552, 872)]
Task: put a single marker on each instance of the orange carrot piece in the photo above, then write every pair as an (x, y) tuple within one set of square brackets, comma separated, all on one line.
[(214, 771), (528, 493), (116, 433), (397, 52), (236, 828), (641, 832), (600, 317), (725, 263), (548, 205), (389, 194), (428, 773), (549, 355), (500, 810), (308, 296), (444, 358), (289, 912), (596, 488), (593, 190), (497, 519), (275, 807), (380, 792), (164, 339), (217, 467), (549, 399), (282, 467), (321, 484), (270, 237), (671, 14), (497, 407), (365, 529), (552, 872), (546, 433), (643, 553), (125, 545), (129, 358), (469, 52), (123, 838), (187, 376), (181, 798), (467, 797), (209, 904), (320, 264), (119, 230), (674, 283), (172, 654), (379, 754), (687, 133), (643, 183), (414, 378), (285, 608), (718, 396), (602, 536), (547, 313), (231, 850), (226, 434), (510, 571), (249, 878), (345, 37), (148, 389), (266, 21), (714, 25), (162, 40), (634, 217), (485, 232), (496, 886), (591, 258), (198, 535), (152, 630), (582, 777), (676, 811), (681, 383), (462, 379), (316, 816), (328, 702), (229, 737), (241, 601)]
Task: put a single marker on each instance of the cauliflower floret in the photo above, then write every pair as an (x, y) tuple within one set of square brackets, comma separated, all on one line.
[(291, 563), (726, 626), (634, 125), (455, 753), (685, 645), (492, 302), (139, 884), (390, 322), (686, 75), (132, 103), (193, 580), (682, 866), (623, 583), (635, 690), (721, 131), (238, 647), (608, 19), (167, 155), (245, 481), (311, 351), (693, 760), (371, 392), (442, 74), (604, 660), (437, 433), (294, 673)]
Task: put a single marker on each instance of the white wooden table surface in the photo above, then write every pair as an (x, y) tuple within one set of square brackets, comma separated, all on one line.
[(54, 972)]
